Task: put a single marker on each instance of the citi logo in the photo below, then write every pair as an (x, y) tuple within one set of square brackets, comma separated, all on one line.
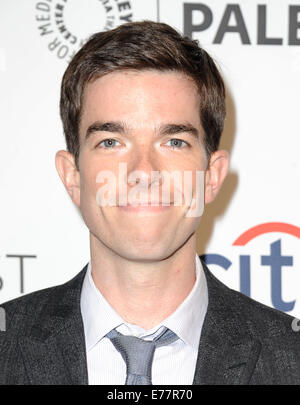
[(275, 260)]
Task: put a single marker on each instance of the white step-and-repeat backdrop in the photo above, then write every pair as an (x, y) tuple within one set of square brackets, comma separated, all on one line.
[(250, 234)]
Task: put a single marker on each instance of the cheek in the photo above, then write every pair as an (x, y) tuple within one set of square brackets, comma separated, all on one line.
[(88, 185), (98, 186)]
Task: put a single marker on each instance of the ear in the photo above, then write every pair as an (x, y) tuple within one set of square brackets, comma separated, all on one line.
[(215, 174), (68, 173)]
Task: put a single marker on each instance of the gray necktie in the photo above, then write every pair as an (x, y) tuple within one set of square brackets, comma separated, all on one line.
[(138, 354)]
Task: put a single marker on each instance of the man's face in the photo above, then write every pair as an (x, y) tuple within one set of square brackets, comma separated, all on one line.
[(150, 121)]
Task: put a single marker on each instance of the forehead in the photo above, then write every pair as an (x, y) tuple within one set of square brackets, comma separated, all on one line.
[(141, 97)]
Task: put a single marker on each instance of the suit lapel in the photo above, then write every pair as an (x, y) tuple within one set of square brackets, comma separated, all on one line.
[(227, 353), (54, 350)]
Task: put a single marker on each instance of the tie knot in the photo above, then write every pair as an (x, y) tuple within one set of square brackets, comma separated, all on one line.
[(138, 354)]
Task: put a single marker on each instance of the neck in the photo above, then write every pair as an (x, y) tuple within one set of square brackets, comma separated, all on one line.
[(143, 293)]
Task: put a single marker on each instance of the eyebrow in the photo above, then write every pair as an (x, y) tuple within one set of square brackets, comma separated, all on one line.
[(119, 127), (104, 127), (172, 129)]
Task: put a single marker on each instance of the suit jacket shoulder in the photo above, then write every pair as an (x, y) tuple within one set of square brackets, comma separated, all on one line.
[(44, 334), (256, 343), (23, 312), (256, 317)]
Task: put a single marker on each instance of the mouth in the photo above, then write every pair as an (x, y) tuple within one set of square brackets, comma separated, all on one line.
[(146, 207), (138, 203)]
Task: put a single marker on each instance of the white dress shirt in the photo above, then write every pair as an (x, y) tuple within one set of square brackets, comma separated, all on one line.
[(172, 365)]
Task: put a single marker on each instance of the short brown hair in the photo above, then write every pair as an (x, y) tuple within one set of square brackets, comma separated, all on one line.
[(140, 46)]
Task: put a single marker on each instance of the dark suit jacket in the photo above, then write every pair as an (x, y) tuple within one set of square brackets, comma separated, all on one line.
[(242, 341)]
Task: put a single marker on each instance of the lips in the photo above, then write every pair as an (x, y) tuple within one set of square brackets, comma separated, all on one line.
[(145, 209), (163, 204)]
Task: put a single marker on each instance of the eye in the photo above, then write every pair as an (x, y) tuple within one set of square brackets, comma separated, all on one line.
[(107, 143), (177, 143)]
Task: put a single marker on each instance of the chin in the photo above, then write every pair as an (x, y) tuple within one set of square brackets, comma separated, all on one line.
[(144, 253), (148, 236), (153, 244)]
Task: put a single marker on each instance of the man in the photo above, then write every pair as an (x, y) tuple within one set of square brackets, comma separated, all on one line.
[(145, 309)]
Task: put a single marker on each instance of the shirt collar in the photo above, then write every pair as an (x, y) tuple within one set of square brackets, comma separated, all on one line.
[(99, 317), (186, 321)]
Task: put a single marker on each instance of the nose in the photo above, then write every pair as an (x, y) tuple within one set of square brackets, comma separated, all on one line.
[(143, 168)]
